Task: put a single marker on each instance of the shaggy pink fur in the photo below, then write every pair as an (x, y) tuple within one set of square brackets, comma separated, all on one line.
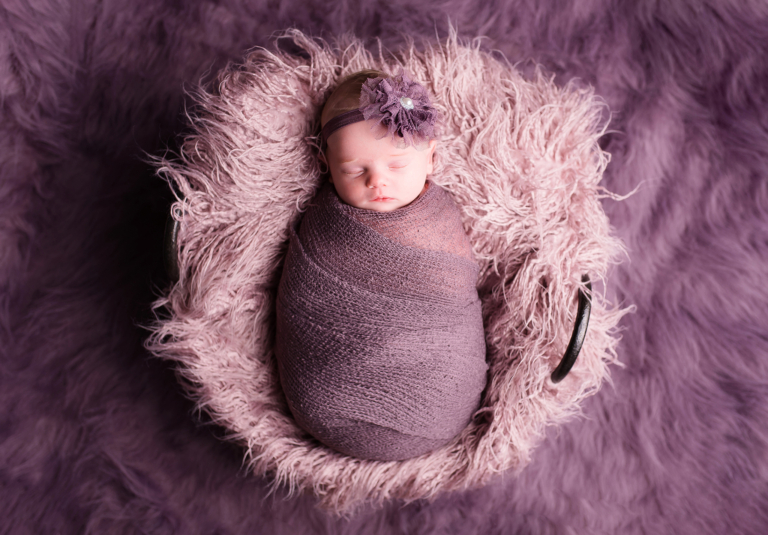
[(521, 160)]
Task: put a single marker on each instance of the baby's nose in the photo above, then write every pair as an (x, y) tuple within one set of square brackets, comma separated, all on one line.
[(375, 180)]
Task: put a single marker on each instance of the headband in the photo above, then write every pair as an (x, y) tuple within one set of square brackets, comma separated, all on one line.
[(398, 103)]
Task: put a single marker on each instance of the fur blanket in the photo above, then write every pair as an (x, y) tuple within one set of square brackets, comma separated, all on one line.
[(525, 177), (98, 437)]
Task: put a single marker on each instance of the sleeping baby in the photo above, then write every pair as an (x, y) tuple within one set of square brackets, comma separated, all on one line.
[(380, 343)]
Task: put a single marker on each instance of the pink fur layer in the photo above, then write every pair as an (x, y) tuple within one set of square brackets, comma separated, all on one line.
[(522, 161)]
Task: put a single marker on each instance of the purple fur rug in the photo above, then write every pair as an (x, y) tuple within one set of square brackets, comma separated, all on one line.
[(97, 437)]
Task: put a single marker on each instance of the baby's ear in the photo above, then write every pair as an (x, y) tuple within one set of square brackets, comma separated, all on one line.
[(324, 163), (431, 156)]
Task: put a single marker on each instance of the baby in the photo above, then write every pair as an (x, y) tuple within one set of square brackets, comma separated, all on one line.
[(380, 343)]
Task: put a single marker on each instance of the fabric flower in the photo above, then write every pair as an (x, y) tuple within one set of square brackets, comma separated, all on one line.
[(401, 105)]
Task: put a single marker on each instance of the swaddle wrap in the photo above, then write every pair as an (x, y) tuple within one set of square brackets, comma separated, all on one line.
[(380, 343)]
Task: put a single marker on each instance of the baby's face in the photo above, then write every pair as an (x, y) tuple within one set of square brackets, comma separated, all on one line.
[(374, 173)]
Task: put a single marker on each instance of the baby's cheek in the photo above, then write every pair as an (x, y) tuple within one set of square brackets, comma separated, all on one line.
[(349, 193)]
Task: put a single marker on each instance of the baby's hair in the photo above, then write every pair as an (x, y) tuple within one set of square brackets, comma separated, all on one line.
[(346, 96)]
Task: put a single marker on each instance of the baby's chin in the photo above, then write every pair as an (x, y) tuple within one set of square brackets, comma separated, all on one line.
[(382, 206), (386, 204)]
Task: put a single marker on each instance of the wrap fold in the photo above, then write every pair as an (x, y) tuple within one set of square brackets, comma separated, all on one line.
[(380, 343)]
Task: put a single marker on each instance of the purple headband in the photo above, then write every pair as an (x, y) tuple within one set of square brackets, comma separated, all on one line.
[(398, 103)]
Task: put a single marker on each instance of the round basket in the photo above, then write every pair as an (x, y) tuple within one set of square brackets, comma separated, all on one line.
[(522, 162)]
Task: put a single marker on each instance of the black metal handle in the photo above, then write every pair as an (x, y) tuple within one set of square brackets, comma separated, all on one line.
[(579, 333), (170, 247)]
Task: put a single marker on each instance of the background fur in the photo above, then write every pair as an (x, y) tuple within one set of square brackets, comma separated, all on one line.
[(97, 437)]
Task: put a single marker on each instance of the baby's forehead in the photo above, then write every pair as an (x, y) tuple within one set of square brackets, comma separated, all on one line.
[(350, 145), (348, 155), (347, 148), (356, 149)]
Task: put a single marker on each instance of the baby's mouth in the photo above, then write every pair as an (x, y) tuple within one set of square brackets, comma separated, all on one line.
[(382, 199)]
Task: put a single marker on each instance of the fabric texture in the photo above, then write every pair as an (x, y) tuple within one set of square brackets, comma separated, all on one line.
[(402, 106), (380, 342)]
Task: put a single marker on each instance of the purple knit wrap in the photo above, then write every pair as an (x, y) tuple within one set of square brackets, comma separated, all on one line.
[(380, 343)]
